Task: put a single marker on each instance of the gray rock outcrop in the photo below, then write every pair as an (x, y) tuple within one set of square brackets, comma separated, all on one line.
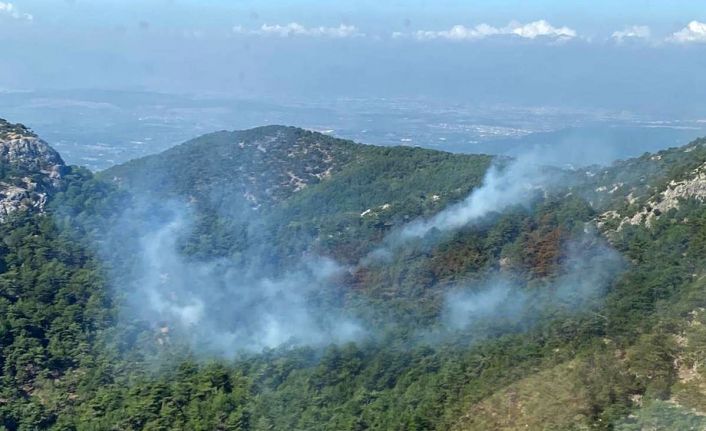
[(30, 170)]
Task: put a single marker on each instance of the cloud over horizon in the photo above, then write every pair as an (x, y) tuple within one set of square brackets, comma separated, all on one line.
[(295, 29), (10, 10), (694, 32), (633, 32), (532, 30)]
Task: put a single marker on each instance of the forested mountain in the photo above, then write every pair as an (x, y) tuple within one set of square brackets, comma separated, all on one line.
[(280, 279)]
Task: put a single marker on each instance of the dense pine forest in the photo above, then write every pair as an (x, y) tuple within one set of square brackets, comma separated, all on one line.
[(562, 348)]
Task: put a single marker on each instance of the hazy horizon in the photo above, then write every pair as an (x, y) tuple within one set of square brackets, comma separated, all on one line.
[(108, 81), (640, 56)]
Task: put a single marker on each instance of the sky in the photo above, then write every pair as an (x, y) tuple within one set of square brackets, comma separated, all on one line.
[(640, 55)]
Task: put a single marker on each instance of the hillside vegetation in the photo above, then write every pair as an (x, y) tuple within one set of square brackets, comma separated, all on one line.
[(633, 357)]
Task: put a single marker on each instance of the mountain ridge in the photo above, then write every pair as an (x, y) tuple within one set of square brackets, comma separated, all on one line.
[(276, 152), (630, 359), (305, 182)]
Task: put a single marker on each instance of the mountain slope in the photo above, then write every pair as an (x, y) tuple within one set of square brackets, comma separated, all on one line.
[(630, 357), (658, 281), (305, 187), (650, 358), (260, 166)]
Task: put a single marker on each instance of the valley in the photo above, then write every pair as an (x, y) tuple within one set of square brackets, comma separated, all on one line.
[(267, 279)]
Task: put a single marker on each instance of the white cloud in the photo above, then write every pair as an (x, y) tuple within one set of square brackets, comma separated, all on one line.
[(632, 32), (9, 9), (296, 29), (459, 32), (541, 28), (530, 30), (694, 32)]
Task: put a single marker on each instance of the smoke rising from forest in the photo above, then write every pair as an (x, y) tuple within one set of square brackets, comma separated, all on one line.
[(587, 269), (227, 305), (518, 182), (219, 306), (503, 187)]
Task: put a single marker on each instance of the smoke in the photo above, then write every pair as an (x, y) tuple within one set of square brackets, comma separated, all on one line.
[(587, 271), (496, 297), (502, 188), (516, 183), (252, 299), (221, 306)]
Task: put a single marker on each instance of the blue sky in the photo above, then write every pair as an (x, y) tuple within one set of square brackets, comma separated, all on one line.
[(588, 14), (634, 54)]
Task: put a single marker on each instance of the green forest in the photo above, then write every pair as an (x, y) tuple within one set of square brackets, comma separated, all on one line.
[(632, 358)]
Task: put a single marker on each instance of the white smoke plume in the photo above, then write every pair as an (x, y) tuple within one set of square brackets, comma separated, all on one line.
[(513, 185), (516, 184), (229, 305), (221, 307), (589, 268)]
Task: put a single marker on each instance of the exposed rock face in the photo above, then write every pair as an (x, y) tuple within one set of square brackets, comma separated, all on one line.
[(30, 170), (693, 187)]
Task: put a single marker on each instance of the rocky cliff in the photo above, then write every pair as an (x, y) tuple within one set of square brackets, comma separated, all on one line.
[(30, 170)]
